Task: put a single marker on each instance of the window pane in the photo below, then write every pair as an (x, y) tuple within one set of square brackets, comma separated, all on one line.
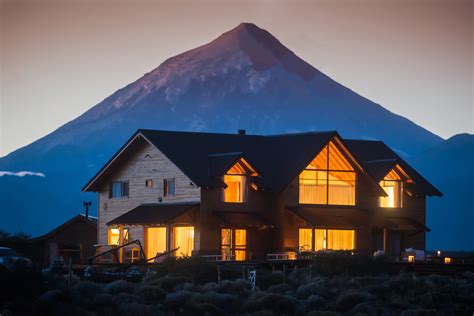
[(337, 161), (321, 239), (341, 188), (156, 241), (184, 239), (321, 160), (236, 187), (116, 189), (126, 235), (394, 190), (339, 239), (114, 234), (305, 239), (169, 187), (125, 189), (149, 183), (226, 243), (313, 187), (240, 244)]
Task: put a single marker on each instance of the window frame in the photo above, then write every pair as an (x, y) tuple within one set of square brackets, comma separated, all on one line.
[(328, 172), (233, 247), (326, 234), (124, 187), (166, 187)]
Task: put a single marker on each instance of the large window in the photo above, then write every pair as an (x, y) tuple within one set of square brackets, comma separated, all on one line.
[(236, 182), (393, 186), (155, 241), (330, 239), (183, 238), (233, 244), (328, 179), (118, 189)]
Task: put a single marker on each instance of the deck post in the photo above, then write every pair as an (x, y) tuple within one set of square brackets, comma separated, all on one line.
[(385, 240)]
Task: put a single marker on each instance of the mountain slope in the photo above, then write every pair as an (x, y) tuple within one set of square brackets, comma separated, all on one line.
[(244, 79), (450, 167)]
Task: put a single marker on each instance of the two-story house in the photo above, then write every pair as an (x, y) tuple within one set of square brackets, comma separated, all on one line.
[(244, 196)]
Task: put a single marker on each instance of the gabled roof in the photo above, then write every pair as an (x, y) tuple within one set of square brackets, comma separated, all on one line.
[(378, 160), (91, 220), (205, 157)]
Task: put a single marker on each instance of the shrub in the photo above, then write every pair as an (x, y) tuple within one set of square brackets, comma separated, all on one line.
[(178, 298), (86, 289), (280, 289), (119, 286), (126, 298), (266, 278), (151, 294), (349, 299), (225, 302), (238, 287), (340, 262), (277, 303), (419, 312), (167, 283), (306, 290)]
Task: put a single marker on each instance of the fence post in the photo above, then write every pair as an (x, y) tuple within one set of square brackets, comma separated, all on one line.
[(218, 274)]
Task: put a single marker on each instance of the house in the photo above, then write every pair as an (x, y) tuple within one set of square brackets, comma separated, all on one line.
[(241, 197), (74, 239)]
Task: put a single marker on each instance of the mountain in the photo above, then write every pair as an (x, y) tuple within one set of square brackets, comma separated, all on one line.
[(244, 79), (450, 166)]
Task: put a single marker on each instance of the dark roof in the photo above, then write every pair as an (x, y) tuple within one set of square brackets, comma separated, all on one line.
[(378, 159), (357, 218), (91, 220), (155, 213), (243, 219), (273, 156), (404, 223), (278, 159)]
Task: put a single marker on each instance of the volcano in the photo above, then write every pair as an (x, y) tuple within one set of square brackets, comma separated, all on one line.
[(244, 79)]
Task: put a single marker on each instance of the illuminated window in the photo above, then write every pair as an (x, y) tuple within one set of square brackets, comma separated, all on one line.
[(328, 179), (149, 183), (183, 238), (236, 182), (168, 187), (393, 186), (155, 241), (233, 244), (305, 241), (331, 239), (118, 189), (114, 236)]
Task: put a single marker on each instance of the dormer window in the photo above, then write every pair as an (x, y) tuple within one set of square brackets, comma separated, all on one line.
[(393, 186), (328, 179), (236, 180)]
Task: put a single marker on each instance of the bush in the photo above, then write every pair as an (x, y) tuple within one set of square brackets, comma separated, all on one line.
[(306, 290), (151, 294), (349, 299), (266, 278), (238, 287), (86, 289), (280, 289), (178, 299), (167, 283), (225, 302), (119, 286), (277, 303), (340, 262)]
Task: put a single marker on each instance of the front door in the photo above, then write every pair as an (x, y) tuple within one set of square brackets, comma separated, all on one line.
[(234, 244), (155, 241)]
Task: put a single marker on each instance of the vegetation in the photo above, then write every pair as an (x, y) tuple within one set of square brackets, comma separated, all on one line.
[(189, 287)]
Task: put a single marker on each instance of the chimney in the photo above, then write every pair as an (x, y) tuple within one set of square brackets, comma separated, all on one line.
[(241, 132), (86, 205)]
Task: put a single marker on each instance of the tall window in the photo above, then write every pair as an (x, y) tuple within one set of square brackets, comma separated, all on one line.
[(155, 241), (331, 239), (118, 189), (236, 181), (183, 238), (233, 244), (328, 179), (168, 187), (393, 186)]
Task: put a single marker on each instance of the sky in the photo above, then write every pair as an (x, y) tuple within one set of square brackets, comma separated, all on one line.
[(59, 58)]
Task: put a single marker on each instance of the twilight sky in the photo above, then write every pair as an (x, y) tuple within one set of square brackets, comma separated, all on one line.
[(59, 58)]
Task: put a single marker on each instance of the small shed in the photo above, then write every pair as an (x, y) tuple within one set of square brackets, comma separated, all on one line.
[(74, 239)]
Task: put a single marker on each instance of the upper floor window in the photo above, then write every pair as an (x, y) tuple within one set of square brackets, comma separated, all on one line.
[(236, 182), (169, 187), (393, 186), (328, 179), (118, 189), (149, 183)]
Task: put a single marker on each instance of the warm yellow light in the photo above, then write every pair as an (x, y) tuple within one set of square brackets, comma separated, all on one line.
[(114, 236), (184, 239), (155, 241), (447, 260), (411, 258)]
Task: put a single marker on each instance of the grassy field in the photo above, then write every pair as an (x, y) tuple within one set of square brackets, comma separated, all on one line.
[(189, 287)]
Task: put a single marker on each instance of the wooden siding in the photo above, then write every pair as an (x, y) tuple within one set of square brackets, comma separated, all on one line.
[(145, 163)]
